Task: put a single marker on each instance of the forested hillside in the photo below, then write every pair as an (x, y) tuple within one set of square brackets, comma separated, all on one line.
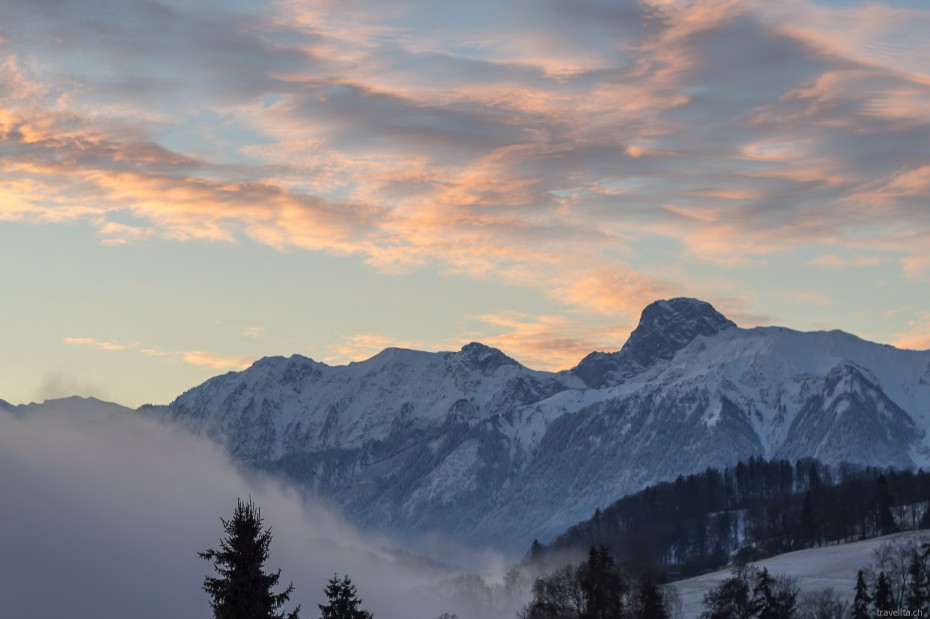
[(755, 509)]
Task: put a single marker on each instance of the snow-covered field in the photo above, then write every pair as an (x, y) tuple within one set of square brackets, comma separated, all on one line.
[(815, 568)]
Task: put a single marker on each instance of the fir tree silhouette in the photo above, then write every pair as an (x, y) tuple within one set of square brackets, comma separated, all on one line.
[(343, 600), (244, 590)]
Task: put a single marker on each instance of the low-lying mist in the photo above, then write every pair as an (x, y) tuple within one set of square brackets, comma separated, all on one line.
[(103, 514)]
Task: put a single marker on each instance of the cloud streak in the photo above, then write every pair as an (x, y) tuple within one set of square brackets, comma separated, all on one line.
[(918, 336), (199, 358)]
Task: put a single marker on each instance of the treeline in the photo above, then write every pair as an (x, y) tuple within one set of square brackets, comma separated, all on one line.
[(598, 588), (755, 509), (897, 584)]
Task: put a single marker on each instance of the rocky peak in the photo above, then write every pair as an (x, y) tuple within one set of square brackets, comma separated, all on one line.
[(477, 356), (665, 327)]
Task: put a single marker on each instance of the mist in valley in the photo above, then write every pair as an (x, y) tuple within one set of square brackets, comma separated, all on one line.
[(104, 512)]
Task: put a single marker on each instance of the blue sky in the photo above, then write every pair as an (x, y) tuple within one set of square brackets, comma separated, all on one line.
[(188, 186)]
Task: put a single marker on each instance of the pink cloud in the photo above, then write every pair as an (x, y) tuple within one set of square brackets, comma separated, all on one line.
[(916, 266), (363, 346), (218, 362), (98, 344), (918, 335), (834, 261), (193, 357), (548, 342)]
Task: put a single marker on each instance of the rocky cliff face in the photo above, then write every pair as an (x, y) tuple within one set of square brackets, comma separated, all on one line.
[(474, 445), (665, 327)]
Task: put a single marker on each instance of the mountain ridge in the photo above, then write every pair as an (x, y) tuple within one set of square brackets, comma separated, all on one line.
[(474, 445)]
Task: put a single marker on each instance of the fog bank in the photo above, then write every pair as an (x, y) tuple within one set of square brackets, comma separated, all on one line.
[(104, 512)]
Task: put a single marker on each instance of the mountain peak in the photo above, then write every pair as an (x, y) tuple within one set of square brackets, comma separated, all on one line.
[(478, 348), (665, 327), (478, 356), (668, 326), (681, 319)]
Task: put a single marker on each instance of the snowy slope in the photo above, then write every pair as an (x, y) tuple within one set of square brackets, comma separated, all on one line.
[(814, 569), (285, 405), (475, 445)]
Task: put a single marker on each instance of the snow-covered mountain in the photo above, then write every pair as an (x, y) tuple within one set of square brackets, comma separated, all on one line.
[(473, 444)]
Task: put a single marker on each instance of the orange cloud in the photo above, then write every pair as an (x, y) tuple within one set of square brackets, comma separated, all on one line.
[(365, 345), (901, 184), (174, 205), (548, 342), (833, 261), (195, 357), (98, 344), (254, 332), (702, 214), (872, 35), (154, 352), (915, 266), (211, 360), (617, 292), (541, 342), (918, 337), (115, 233)]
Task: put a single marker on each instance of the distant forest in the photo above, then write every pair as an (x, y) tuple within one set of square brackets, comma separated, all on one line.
[(756, 509)]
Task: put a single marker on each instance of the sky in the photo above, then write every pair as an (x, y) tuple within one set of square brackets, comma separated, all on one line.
[(186, 187)]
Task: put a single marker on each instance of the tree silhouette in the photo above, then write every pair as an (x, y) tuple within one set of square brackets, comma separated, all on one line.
[(752, 593), (651, 604), (860, 609), (883, 597), (243, 589), (602, 585), (343, 600), (918, 588), (732, 598)]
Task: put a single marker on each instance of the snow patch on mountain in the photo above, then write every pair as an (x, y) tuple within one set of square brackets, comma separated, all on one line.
[(281, 405)]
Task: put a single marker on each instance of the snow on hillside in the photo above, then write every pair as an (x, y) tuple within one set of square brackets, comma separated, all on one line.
[(281, 405), (814, 568)]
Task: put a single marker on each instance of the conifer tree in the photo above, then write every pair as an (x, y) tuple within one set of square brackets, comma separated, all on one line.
[(343, 600), (244, 589), (731, 599), (650, 601), (808, 521), (917, 586), (883, 599), (763, 597), (774, 597), (603, 586), (752, 593), (860, 608), (535, 552), (883, 502)]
